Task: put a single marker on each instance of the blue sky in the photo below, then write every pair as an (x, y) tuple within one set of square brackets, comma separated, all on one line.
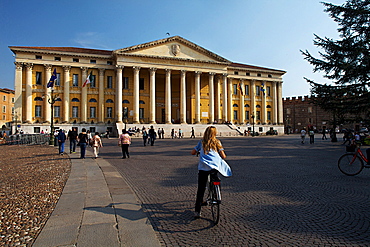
[(267, 33)]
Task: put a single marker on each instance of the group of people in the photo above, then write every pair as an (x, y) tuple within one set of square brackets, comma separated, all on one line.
[(83, 140)]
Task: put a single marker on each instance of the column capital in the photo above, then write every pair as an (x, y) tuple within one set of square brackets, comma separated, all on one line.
[(84, 69), (241, 80), (18, 65), (29, 66), (66, 68), (168, 70), (183, 71), (197, 72), (101, 71), (211, 73), (136, 68), (120, 67), (224, 74), (153, 69), (48, 67)]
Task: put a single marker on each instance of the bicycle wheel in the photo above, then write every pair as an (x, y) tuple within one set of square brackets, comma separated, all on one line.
[(215, 203), (350, 164)]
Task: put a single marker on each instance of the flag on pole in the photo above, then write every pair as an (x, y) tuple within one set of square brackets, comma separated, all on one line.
[(52, 79), (88, 79), (240, 89)]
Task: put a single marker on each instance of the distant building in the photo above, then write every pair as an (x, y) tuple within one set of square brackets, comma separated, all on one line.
[(6, 106), (300, 112), (162, 82)]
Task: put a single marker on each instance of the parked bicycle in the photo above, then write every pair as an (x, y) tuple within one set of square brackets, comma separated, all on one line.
[(352, 163), (214, 196)]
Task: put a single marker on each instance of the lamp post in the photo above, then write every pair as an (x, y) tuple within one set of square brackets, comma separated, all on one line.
[(252, 116), (52, 98), (15, 119)]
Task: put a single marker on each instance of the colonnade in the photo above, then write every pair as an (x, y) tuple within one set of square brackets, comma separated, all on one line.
[(220, 106)]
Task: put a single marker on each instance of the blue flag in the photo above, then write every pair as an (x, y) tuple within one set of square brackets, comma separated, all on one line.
[(52, 79)]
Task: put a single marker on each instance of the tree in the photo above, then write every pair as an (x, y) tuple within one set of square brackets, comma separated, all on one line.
[(346, 62)]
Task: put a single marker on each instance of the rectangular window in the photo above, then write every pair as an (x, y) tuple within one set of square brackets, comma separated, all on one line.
[(141, 84), (268, 90), (76, 60), (57, 59), (258, 115), (125, 82), (56, 111), (37, 111), (236, 73), (246, 91), (36, 130), (288, 111), (13, 110), (4, 98), (109, 112), (93, 81), (235, 89), (109, 63), (75, 111), (4, 109), (258, 90), (75, 80), (57, 81), (38, 78), (38, 57), (93, 61), (269, 115), (109, 82), (247, 115), (92, 112), (235, 114), (309, 109), (141, 113)]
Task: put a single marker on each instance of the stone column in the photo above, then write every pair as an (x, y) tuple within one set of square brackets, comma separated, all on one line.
[(241, 103), (101, 96), (183, 97), (274, 104), (47, 108), (66, 96), (168, 97), (280, 102), (253, 99), (119, 69), (211, 98), (224, 98), (218, 99), (263, 107), (152, 112), (29, 101), (136, 119), (197, 97), (230, 100), (18, 91), (84, 96)]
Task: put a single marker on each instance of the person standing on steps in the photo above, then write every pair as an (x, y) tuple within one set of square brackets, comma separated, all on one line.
[(124, 141)]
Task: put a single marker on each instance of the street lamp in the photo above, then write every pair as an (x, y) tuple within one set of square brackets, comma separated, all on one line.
[(252, 116), (51, 100), (15, 119)]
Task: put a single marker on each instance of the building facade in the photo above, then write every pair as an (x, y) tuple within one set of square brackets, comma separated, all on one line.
[(166, 81), (6, 106)]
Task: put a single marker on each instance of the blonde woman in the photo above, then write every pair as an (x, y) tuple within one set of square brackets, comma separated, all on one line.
[(211, 155)]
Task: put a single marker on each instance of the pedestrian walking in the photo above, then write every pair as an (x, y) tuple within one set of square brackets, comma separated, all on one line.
[(152, 135), (172, 133), (162, 132), (96, 144), (211, 161), (82, 142), (159, 133), (311, 133), (72, 136), (303, 135), (89, 136), (324, 134), (180, 133), (192, 133), (124, 141), (145, 136), (61, 141)]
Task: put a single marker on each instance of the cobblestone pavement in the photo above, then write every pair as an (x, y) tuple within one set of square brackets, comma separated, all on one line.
[(282, 193)]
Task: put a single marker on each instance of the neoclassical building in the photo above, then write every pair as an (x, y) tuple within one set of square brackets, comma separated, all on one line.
[(166, 81)]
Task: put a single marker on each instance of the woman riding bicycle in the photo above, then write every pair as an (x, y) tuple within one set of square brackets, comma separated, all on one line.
[(210, 163)]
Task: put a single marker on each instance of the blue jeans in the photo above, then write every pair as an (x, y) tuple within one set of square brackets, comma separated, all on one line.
[(83, 149), (61, 147), (72, 145)]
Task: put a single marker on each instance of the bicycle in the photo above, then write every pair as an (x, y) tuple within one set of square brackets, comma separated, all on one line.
[(214, 196), (352, 163)]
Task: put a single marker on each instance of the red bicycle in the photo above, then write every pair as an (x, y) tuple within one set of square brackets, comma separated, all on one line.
[(352, 163)]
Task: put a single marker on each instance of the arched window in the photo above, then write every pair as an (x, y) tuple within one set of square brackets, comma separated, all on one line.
[(109, 101), (235, 105), (268, 106), (258, 106), (141, 102), (92, 100), (246, 105), (75, 100), (58, 99), (125, 101), (38, 99)]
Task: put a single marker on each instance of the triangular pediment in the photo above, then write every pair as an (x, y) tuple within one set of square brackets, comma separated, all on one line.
[(173, 47)]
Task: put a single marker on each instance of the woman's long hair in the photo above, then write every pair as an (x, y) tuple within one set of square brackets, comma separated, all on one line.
[(210, 141)]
